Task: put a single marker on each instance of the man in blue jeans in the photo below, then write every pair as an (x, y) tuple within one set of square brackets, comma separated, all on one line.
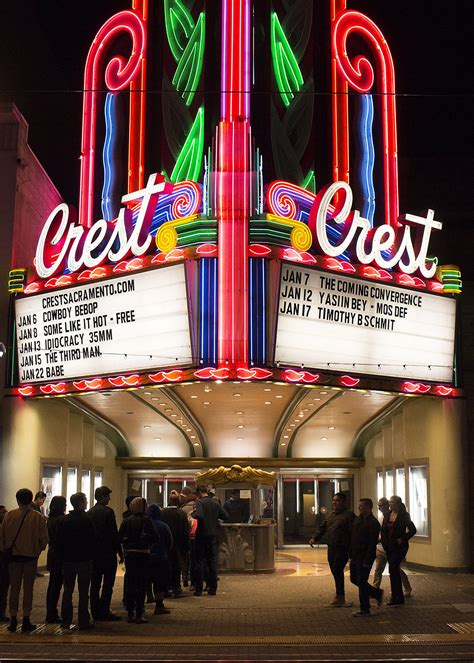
[(365, 535), (337, 527), (208, 513)]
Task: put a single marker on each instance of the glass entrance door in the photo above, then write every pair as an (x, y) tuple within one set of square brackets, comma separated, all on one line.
[(306, 501)]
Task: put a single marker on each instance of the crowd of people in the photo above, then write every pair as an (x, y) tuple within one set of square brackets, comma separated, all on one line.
[(164, 549), (363, 540)]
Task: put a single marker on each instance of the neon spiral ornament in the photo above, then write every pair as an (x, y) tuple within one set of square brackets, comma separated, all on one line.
[(359, 73), (187, 199), (288, 200), (166, 237), (301, 238), (118, 74)]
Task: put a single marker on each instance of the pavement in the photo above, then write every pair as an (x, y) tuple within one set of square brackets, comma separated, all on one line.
[(280, 616)]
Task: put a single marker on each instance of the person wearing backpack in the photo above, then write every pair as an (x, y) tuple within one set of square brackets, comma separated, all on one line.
[(137, 534), (23, 536)]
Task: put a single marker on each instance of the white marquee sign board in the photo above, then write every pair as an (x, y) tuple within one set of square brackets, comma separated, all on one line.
[(122, 324), (364, 327)]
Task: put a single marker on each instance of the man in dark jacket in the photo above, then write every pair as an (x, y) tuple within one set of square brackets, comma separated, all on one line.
[(365, 535), (208, 513), (178, 523), (337, 527), (105, 560), (76, 545)]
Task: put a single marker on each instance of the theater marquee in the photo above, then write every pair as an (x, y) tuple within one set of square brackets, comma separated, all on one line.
[(128, 323), (347, 324)]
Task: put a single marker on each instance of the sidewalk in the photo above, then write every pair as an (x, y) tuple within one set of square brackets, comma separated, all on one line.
[(282, 616)]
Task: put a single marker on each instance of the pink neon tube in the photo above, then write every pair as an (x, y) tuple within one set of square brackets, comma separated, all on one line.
[(233, 184), (359, 73), (118, 74)]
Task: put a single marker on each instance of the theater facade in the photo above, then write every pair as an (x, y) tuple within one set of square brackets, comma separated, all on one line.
[(237, 293)]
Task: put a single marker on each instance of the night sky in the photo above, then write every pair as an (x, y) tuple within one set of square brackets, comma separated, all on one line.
[(44, 43)]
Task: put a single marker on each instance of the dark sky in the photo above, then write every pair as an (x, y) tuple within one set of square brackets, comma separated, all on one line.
[(43, 46)]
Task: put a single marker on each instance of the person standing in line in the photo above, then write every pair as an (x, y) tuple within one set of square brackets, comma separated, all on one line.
[(105, 560), (37, 505), (159, 570), (381, 557), (137, 535), (76, 542), (397, 530), (365, 534), (338, 529), (189, 575), (4, 578), (126, 514), (177, 521), (57, 511), (23, 536), (208, 513)]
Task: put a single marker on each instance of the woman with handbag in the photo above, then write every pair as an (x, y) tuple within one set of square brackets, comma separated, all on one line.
[(397, 530)]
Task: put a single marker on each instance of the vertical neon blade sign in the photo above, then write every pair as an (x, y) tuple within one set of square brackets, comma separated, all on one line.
[(233, 183)]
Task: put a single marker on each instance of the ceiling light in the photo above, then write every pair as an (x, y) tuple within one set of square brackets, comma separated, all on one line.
[(206, 403), (169, 409), (306, 409), (240, 426), (157, 439), (292, 425), (323, 393), (174, 415), (188, 430), (155, 398), (278, 396), (239, 412), (331, 427), (196, 444), (239, 439), (286, 436), (237, 395), (268, 402), (147, 393), (267, 389), (193, 437), (218, 381), (324, 438), (301, 415), (146, 426), (194, 396), (207, 389), (282, 444), (316, 399)]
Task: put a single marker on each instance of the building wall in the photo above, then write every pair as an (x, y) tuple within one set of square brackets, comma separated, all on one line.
[(431, 430), (46, 430)]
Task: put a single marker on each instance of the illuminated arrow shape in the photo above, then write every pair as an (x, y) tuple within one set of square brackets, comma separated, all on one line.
[(188, 163), (189, 68), (179, 26), (287, 72)]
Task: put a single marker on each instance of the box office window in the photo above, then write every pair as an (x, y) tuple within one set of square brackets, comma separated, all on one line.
[(51, 483), (418, 497)]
